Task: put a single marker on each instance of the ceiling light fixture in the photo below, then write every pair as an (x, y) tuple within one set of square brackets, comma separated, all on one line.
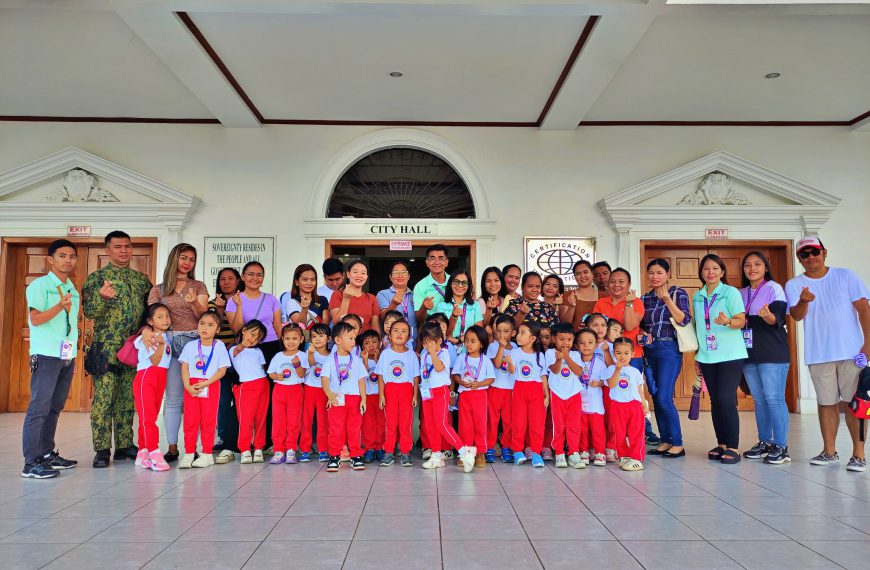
[(396, 74), (773, 75)]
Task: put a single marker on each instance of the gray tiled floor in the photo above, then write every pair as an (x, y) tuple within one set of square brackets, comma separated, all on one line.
[(686, 513)]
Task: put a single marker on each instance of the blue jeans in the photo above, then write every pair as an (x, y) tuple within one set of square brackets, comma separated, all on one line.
[(50, 380), (767, 384), (666, 361)]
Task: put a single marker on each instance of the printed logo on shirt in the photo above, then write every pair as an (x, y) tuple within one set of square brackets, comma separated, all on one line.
[(168, 351), (623, 383), (317, 370), (526, 370), (471, 371), (373, 377), (398, 370), (565, 372), (503, 366), (200, 365), (286, 373)]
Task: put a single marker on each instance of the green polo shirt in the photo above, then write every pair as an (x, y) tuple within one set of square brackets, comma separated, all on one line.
[(42, 294), (426, 287), (729, 342)]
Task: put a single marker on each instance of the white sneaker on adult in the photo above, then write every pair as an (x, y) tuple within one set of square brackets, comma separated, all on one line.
[(225, 456)]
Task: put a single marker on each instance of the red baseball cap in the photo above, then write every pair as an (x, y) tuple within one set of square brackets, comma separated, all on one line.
[(810, 241)]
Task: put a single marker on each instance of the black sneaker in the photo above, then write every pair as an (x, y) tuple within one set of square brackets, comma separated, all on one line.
[(357, 464), (653, 439), (777, 455), (333, 463), (55, 461), (126, 453), (101, 459), (757, 451), (38, 470), (388, 460)]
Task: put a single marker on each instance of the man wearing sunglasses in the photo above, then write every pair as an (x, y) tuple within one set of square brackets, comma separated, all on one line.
[(833, 304)]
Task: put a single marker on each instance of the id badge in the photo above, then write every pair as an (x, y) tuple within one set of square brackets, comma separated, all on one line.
[(425, 391), (711, 342), (747, 337), (339, 399), (203, 393), (66, 350)]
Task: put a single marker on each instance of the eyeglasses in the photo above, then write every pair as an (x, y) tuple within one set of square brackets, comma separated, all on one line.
[(442, 259), (257, 275), (460, 283), (400, 273), (810, 251)]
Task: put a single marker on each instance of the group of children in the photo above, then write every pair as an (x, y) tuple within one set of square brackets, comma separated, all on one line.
[(536, 392)]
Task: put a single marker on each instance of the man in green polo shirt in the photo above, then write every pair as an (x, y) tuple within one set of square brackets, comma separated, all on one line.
[(53, 311), (430, 290)]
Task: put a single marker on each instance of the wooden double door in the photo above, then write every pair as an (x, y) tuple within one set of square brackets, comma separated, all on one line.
[(684, 257), (25, 260)]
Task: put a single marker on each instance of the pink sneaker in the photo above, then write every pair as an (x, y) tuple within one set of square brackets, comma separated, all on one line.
[(141, 457), (547, 454), (156, 462), (528, 453)]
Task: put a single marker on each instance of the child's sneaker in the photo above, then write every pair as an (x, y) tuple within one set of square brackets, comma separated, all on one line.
[(631, 465), (369, 455), (322, 457), (140, 457), (333, 463), (560, 460), (277, 459), (357, 464), (304, 457), (575, 461), (247, 457), (519, 458), (584, 457), (507, 456), (225, 456), (490, 456), (622, 461), (467, 455), (435, 461), (258, 456), (406, 460), (427, 453), (547, 454), (480, 460), (345, 455), (447, 454), (156, 461), (599, 460), (528, 453), (388, 460), (204, 460), (291, 457), (537, 460), (610, 455), (186, 461)]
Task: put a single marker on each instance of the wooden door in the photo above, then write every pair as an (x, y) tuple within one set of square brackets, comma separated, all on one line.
[(684, 258), (27, 262)]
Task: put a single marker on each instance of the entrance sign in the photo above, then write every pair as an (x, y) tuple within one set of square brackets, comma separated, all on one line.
[(556, 255), (401, 245), (235, 252)]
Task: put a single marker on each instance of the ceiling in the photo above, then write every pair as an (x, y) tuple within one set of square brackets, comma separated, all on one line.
[(551, 65)]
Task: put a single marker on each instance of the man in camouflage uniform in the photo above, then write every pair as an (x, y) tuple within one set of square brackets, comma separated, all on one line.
[(115, 298)]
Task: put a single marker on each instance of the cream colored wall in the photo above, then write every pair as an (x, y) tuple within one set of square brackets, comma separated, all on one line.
[(259, 181)]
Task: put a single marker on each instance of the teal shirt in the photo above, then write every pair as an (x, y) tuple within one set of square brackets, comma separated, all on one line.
[(426, 288), (45, 339), (473, 315), (729, 342)]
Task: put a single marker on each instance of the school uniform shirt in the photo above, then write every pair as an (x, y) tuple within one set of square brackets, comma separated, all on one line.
[(626, 387), (312, 374), (831, 328), (262, 308), (283, 365), (372, 378), (471, 315), (503, 377), (146, 352), (452, 353), (352, 366), (479, 368), (429, 374), (42, 294), (398, 367), (565, 383), (204, 361), (593, 396), (249, 364), (316, 311), (769, 342), (529, 366), (729, 341)]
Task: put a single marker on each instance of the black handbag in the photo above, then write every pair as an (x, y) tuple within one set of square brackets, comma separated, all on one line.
[(96, 360)]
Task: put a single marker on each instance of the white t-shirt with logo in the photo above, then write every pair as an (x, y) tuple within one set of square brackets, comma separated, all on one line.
[(479, 368), (564, 384), (832, 331), (398, 367), (503, 377), (249, 364), (352, 374), (283, 365), (529, 366), (312, 375), (372, 378), (626, 387), (204, 361), (145, 354), (429, 374), (593, 396)]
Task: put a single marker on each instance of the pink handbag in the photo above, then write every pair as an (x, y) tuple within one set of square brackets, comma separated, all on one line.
[(129, 354)]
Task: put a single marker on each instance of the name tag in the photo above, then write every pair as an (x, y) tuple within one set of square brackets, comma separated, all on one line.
[(425, 391), (747, 337), (203, 393), (339, 399), (711, 342), (66, 350)]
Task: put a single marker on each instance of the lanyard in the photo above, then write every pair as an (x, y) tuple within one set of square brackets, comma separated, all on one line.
[(587, 370), (66, 310), (479, 366), (200, 361), (750, 297), (342, 376), (707, 307), (405, 304), (462, 318), (439, 289), (427, 368)]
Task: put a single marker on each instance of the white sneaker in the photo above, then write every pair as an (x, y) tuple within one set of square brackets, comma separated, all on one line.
[(435, 461), (467, 455), (186, 461), (258, 456), (631, 465), (204, 460), (560, 460), (225, 456), (140, 457), (622, 461), (584, 457), (576, 461), (427, 453), (611, 456), (447, 454), (247, 458), (599, 460)]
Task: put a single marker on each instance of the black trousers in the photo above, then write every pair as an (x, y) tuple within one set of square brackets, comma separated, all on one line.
[(50, 380), (722, 379), (228, 421)]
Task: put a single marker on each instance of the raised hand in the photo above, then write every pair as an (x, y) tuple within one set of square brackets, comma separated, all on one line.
[(219, 301), (764, 312), (429, 303), (457, 311), (662, 292), (237, 299), (807, 296), (631, 297), (189, 295), (722, 320), (398, 297), (66, 302), (524, 307), (493, 302), (107, 291), (558, 300)]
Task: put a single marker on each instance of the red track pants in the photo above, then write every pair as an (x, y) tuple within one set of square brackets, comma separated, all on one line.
[(498, 402), (374, 421), (200, 417), (528, 411), (438, 420), (286, 416), (252, 405), (472, 419), (566, 423), (592, 433), (399, 416), (345, 427), (426, 437), (314, 403), (627, 420), (148, 388)]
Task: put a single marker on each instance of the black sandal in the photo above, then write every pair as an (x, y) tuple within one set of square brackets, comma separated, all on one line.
[(730, 457), (715, 454)]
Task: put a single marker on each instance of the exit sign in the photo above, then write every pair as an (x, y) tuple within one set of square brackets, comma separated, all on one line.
[(78, 231), (716, 233)]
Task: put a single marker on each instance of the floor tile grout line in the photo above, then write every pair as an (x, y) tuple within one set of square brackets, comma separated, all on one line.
[(359, 518), (520, 521)]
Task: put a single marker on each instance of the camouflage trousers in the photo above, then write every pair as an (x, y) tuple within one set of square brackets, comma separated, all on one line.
[(113, 409)]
